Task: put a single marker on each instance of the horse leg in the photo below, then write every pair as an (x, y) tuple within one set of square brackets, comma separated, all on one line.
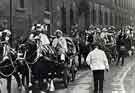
[(25, 76), (80, 65), (51, 87), (28, 79), (18, 79), (9, 84), (25, 81)]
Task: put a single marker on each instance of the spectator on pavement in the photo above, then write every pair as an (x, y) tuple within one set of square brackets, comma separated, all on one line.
[(98, 63), (121, 48)]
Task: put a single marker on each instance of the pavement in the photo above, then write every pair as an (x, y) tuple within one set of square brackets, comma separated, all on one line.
[(120, 79)]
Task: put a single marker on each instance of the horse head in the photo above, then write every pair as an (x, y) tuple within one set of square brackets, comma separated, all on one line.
[(27, 51), (6, 52)]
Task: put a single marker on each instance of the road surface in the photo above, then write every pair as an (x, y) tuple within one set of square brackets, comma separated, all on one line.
[(120, 79)]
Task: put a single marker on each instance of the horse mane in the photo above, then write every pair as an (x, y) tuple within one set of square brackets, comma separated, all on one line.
[(31, 51)]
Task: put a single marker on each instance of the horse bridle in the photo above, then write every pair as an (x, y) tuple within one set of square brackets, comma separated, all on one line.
[(25, 53), (12, 63)]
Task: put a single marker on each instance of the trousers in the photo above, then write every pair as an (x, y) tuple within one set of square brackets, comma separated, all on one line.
[(98, 81)]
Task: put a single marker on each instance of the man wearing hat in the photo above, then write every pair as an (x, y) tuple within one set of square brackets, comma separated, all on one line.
[(98, 63), (43, 37), (60, 44), (35, 30), (38, 33)]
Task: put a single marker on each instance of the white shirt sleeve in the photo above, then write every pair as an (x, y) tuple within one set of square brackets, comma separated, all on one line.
[(44, 39), (31, 37), (88, 59), (105, 61), (54, 43)]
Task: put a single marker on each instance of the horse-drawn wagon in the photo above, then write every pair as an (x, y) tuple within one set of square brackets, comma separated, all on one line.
[(47, 66)]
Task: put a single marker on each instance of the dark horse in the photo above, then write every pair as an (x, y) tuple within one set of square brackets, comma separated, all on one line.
[(37, 68), (83, 48), (8, 66)]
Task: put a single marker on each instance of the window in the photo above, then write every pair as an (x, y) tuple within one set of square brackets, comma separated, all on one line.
[(93, 16), (111, 18), (47, 4), (106, 18), (71, 17), (21, 3), (63, 16), (116, 19), (100, 16)]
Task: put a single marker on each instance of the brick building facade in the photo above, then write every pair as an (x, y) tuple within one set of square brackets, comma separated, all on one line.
[(65, 13), (96, 12)]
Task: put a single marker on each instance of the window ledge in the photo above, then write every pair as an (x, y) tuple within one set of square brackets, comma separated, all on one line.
[(20, 9)]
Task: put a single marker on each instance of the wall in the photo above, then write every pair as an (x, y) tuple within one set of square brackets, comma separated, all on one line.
[(64, 13)]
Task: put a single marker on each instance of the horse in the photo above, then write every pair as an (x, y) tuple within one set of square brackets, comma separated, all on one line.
[(22, 67), (71, 54), (40, 67), (8, 65), (83, 45)]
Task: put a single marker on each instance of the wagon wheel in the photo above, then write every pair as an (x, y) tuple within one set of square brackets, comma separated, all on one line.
[(66, 78)]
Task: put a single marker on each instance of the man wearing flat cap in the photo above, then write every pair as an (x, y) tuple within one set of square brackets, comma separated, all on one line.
[(98, 63)]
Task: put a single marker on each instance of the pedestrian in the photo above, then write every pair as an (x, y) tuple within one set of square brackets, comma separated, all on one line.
[(98, 63), (122, 49)]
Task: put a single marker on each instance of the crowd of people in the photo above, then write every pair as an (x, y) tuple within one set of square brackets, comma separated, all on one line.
[(116, 42), (104, 44), (107, 45)]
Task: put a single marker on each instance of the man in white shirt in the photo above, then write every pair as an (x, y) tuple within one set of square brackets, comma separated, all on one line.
[(98, 62), (60, 44)]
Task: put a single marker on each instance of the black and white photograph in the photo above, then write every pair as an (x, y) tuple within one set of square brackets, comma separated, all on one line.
[(67, 46)]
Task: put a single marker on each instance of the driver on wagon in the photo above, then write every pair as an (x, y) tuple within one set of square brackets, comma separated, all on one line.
[(38, 35), (60, 44), (37, 32)]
